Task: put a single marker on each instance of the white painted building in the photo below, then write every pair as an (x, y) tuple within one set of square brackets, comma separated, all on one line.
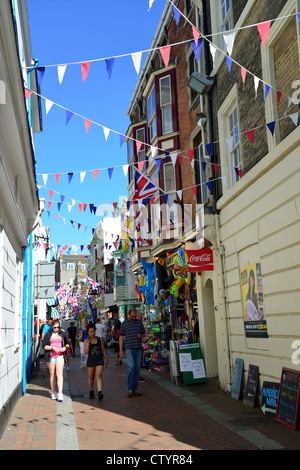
[(19, 205)]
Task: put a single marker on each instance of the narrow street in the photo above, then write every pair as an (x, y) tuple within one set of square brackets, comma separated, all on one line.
[(165, 417)]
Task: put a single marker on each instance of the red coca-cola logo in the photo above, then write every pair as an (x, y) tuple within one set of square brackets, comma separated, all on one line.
[(200, 260)]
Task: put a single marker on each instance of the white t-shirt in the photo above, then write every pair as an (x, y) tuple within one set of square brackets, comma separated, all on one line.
[(100, 329)]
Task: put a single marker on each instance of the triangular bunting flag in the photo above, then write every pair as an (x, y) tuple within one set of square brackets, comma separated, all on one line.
[(271, 126), (82, 176), (256, 84), (48, 105), (61, 72), (191, 154), (179, 194), (213, 51), (140, 166), (106, 132), (196, 34), (84, 70), (295, 117), (57, 175), (70, 176), (40, 74), (229, 41), (69, 114), (180, 157), (267, 91), (243, 72), (122, 139), (250, 134), (125, 170), (165, 53), (158, 162), (194, 189), (279, 95), (109, 65), (177, 15), (138, 146), (136, 58), (174, 158), (229, 64), (27, 93), (209, 148), (95, 174), (51, 193), (87, 124), (110, 172), (197, 48), (45, 177), (209, 185), (150, 4), (264, 29), (165, 196)]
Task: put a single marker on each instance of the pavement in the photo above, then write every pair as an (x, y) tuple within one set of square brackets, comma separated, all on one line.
[(166, 417)]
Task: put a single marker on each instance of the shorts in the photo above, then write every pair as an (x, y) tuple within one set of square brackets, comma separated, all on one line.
[(93, 361), (56, 359), (116, 347)]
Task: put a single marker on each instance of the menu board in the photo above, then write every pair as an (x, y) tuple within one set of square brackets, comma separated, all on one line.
[(251, 387), (269, 398), (191, 363), (288, 399), (237, 378)]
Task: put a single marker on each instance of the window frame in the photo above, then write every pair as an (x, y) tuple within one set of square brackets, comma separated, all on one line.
[(169, 105), (153, 118)]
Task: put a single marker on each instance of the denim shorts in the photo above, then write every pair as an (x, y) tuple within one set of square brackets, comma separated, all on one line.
[(56, 359)]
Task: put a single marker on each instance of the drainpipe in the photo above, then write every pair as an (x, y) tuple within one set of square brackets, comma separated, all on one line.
[(224, 309), (30, 310), (24, 320)]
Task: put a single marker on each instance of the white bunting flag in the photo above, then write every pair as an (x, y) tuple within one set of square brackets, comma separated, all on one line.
[(256, 84), (106, 132), (174, 158), (229, 41), (61, 72), (49, 105), (125, 170), (137, 57), (82, 176), (45, 177)]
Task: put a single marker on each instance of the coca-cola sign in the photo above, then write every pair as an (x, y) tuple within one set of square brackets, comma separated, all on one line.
[(200, 260)]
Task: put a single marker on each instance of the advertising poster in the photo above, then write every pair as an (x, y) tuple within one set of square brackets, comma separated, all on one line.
[(253, 301)]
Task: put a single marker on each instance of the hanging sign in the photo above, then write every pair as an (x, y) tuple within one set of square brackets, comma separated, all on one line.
[(200, 260)]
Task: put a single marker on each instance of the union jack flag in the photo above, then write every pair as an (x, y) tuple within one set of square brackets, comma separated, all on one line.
[(143, 186)]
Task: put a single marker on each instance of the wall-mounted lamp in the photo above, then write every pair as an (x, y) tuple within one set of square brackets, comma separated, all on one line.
[(201, 83), (201, 119)]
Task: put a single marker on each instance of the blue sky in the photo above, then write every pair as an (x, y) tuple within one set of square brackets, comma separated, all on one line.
[(75, 31)]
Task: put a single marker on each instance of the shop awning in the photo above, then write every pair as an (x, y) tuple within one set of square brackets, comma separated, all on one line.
[(55, 313), (52, 301)]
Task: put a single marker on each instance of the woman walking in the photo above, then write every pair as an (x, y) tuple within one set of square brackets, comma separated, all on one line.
[(55, 345), (96, 353), (115, 335), (82, 336)]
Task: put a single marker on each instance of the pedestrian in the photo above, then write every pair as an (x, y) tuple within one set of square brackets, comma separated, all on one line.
[(82, 336), (46, 328), (100, 329), (69, 350), (133, 330), (72, 330), (96, 353), (55, 345), (115, 336)]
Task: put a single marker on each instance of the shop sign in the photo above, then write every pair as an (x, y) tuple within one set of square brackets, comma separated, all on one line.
[(200, 260)]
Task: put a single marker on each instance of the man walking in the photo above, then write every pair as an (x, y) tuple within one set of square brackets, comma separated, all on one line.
[(133, 330), (72, 330)]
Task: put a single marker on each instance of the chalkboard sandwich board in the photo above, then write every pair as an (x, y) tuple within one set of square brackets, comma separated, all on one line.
[(269, 398), (237, 378), (288, 400), (251, 387)]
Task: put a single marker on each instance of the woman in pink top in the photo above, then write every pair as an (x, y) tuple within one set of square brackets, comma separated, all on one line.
[(55, 345)]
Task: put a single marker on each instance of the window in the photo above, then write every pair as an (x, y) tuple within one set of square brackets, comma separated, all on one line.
[(82, 267), (140, 136), (225, 15), (70, 266), (166, 104), (152, 115), (202, 170), (155, 208), (235, 157)]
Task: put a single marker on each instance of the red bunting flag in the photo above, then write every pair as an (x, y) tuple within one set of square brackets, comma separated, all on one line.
[(27, 93), (191, 154), (95, 174), (243, 72), (115, 205), (216, 168), (79, 225), (194, 189), (165, 53), (180, 157), (57, 175), (250, 134), (51, 193), (84, 69), (279, 95), (84, 206), (56, 216), (138, 146), (87, 124), (140, 166), (80, 207), (264, 29), (196, 34), (49, 205)]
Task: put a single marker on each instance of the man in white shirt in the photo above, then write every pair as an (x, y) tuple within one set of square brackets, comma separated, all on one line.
[(100, 329)]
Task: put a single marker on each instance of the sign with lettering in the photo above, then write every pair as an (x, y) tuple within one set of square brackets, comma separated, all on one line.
[(200, 260), (237, 378), (251, 387), (288, 400), (269, 398), (191, 363)]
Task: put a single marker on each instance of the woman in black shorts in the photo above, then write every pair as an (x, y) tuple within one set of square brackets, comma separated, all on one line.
[(94, 348)]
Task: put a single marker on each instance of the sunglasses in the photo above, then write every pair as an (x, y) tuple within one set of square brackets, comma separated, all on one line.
[(55, 327)]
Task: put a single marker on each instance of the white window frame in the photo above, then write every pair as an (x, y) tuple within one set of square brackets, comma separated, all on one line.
[(203, 175), (224, 112), (69, 268), (165, 106), (235, 152), (142, 154), (152, 121)]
